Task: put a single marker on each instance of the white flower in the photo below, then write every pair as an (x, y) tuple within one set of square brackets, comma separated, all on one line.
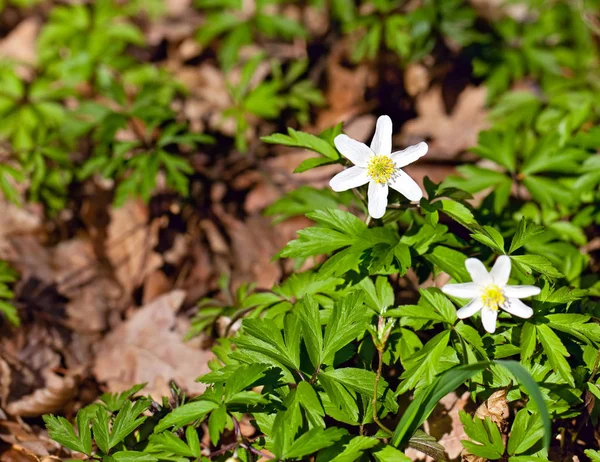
[(489, 292), (378, 166)]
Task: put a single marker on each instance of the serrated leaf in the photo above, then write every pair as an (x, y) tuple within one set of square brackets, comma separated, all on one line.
[(313, 441), (133, 456), (347, 451), (186, 414), (127, 420), (527, 429), (311, 329), (61, 431), (556, 352), (525, 232), (300, 139), (537, 263), (191, 436), (390, 454), (216, 424), (101, 431)]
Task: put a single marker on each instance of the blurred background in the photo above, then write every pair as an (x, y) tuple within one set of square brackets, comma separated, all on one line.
[(138, 203)]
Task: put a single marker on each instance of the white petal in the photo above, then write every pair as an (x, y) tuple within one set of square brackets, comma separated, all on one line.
[(521, 291), (516, 307), (488, 318), (352, 177), (409, 155), (466, 290), (378, 194), (501, 270), (356, 152), (478, 272), (470, 308), (382, 140), (406, 186)]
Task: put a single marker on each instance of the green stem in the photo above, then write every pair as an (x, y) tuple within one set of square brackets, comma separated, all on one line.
[(374, 402)]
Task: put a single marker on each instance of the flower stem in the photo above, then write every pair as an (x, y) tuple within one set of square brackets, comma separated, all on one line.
[(374, 402)]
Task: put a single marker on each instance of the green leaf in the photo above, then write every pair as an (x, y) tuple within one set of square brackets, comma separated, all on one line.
[(311, 329), (186, 414), (484, 432), (243, 378), (83, 428), (537, 263), (191, 435), (61, 431), (458, 212), (101, 432), (216, 424), (127, 420), (169, 442), (490, 237), (531, 387), (527, 429), (528, 340), (525, 232), (114, 401), (347, 451), (424, 364), (593, 455), (556, 352), (133, 456), (299, 139), (422, 406), (314, 440), (347, 321), (390, 454), (363, 381), (308, 399), (312, 162), (451, 261)]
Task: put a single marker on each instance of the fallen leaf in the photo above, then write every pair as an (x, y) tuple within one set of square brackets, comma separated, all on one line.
[(416, 79), (346, 88), (19, 45), (52, 398), (148, 348), (448, 134), (130, 244), (92, 293), (444, 423), (496, 408)]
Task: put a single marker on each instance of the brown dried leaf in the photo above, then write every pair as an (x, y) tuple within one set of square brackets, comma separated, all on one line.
[(19, 45), (496, 408), (52, 398), (92, 293), (345, 91), (5, 380), (131, 240), (148, 348), (450, 134), (444, 423), (18, 454), (416, 79)]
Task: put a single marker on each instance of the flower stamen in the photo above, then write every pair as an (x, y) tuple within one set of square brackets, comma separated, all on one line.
[(381, 169), (493, 297)]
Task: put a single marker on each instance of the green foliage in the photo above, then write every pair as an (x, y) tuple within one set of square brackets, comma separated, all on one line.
[(227, 21), (7, 277), (268, 98), (346, 359)]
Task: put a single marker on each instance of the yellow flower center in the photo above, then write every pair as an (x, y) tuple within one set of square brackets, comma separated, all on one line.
[(493, 297), (381, 169)]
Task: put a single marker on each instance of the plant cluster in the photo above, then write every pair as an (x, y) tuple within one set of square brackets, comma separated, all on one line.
[(345, 361)]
